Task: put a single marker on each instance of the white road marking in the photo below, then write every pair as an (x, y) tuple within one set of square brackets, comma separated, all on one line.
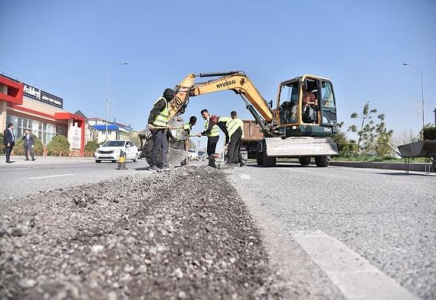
[(51, 176), (350, 272), (244, 176)]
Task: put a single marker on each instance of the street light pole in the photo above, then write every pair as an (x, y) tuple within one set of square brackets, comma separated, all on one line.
[(422, 94), (107, 97)]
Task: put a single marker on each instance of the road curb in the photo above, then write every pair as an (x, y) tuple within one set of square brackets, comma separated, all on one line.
[(420, 167)]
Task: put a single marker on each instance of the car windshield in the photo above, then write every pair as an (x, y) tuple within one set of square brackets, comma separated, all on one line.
[(114, 144)]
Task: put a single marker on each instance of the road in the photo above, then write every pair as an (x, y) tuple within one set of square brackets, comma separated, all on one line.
[(46, 173), (357, 233), (344, 233)]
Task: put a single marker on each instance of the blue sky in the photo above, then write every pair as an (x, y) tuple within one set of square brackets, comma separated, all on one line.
[(67, 48)]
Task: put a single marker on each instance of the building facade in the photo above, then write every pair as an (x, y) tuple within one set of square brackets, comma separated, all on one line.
[(42, 113), (116, 131)]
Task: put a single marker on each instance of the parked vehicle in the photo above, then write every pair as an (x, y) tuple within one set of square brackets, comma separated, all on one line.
[(202, 155), (110, 151), (192, 154)]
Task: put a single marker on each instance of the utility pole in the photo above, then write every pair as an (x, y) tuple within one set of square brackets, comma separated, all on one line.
[(107, 98), (422, 94)]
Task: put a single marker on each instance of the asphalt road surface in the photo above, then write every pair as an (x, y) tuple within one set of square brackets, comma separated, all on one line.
[(356, 233), (343, 233), (46, 173)]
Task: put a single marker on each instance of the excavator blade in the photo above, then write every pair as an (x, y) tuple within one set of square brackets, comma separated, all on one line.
[(300, 146)]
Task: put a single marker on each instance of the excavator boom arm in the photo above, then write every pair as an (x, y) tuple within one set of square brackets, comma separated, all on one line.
[(235, 81)]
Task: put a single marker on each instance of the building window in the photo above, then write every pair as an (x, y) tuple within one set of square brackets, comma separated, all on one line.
[(44, 131)]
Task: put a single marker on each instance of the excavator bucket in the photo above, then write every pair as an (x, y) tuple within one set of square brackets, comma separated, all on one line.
[(175, 156), (300, 146), (176, 148)]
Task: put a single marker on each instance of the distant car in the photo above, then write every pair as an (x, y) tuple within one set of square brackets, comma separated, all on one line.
[(202, 155), (110, 151), (193, 155)]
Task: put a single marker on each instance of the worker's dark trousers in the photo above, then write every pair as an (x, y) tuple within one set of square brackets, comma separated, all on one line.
[(159, 142), (211, 149), (233, 149)]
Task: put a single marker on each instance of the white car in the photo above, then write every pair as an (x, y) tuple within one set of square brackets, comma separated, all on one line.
[(192, 154), (110, 151)]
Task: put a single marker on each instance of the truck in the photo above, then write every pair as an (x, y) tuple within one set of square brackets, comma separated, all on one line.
[(293, 127), (252, 136)]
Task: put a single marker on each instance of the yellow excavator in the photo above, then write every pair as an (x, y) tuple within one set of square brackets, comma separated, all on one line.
[(295, 127)]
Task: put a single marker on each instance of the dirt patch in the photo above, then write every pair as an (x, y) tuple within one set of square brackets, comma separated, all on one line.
[(183, 234)]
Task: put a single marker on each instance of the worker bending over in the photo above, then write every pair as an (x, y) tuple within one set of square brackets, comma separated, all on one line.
[(233, 133), (186, 133), (158, 124), (212, 132)]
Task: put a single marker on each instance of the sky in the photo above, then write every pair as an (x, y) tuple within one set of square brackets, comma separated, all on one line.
[(75, 50)]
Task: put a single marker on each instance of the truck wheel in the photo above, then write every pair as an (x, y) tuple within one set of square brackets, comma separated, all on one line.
[(305, 160), (259, 156), (268, 161), (322, 161)]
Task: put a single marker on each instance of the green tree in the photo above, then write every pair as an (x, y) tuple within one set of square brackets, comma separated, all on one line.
[(373, 134), (59, 145), (384, 137), (428, 133), (366, 134)]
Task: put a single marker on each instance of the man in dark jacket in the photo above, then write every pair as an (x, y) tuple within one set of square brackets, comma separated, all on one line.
[(28, 144), (9, 141)]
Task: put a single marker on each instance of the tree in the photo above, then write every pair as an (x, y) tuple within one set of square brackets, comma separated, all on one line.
[(345, 147), (384, 137), (371, 135)]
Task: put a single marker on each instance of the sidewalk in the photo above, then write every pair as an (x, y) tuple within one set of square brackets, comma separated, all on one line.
[(419, 167), (20, 160)]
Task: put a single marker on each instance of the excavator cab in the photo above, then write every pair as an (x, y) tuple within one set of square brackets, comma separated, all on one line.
[(306, 107)]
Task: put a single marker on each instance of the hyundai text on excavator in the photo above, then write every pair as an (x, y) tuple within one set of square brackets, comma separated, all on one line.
[(288, 129)]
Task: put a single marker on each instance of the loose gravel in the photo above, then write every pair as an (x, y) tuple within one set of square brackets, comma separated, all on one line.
[(183, 234)]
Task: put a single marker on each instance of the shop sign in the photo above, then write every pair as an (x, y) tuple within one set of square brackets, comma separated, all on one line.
[(37, 94), (76, 138)]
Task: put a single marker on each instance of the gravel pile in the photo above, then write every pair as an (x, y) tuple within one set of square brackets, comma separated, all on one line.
[(183, 234)]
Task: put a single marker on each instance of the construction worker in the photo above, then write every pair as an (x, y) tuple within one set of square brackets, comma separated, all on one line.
[(237, 157), (158, 124), (185, 134), (213, 135), (233, 133)]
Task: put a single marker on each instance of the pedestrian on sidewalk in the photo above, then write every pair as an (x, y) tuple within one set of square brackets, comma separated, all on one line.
[(9, 141), (29, 143)]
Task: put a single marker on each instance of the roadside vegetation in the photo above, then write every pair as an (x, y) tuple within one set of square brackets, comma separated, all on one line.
[(58, 146), (374, 140)]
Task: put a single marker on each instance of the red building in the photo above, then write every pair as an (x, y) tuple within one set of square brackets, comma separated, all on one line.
[(42, 113)]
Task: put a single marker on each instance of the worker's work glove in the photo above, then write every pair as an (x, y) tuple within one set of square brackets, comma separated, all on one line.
[(33, 146)]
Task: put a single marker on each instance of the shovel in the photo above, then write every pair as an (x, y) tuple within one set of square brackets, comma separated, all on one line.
[(160, 127), (217, 155)]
